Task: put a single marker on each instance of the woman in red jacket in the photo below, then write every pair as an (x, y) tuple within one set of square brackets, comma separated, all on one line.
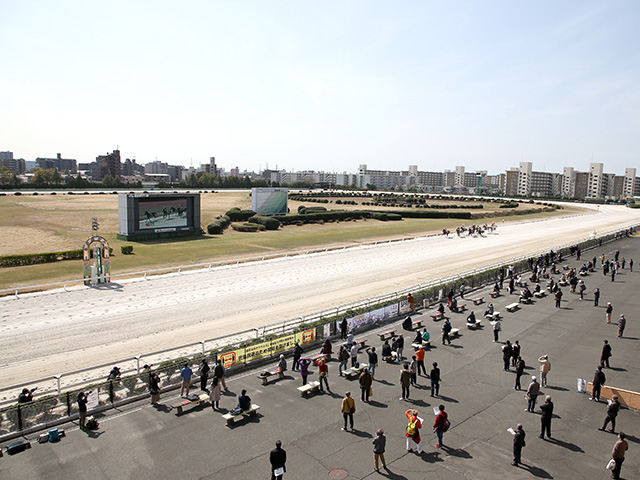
[(413, 429), (441, 425)]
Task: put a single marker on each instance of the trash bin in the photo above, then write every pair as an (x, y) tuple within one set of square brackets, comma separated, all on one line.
[(582, 385)]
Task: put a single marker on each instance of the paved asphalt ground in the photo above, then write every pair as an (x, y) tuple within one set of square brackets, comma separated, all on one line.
[(142, 442)]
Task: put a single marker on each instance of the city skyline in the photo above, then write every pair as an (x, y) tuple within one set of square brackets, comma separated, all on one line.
[(327, 88)]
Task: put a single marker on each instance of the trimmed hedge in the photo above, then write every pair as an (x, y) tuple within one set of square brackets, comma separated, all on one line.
[(237, 215), (35, 258), (126, 249), (270, 223), (246, 227), (219, 226), (306, 210)]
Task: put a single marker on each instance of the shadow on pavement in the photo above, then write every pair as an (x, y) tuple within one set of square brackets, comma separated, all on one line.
[(389, 474), (373, 403), (456, 452), (535, 471), (447, 399), (569, 446), (358, 433)]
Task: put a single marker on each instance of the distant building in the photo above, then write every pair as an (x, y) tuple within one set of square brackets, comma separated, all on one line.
[(59, 163), (16, 165), (210, 167), (234, 172), (108, 164)]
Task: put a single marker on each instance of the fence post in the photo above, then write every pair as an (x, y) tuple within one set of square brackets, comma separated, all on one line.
[(68, 404), (111, 392), (57, 377), (202, 344), (137, 357), (19, 417)]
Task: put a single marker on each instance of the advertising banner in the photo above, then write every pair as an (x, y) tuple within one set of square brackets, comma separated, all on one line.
[(367, 318)]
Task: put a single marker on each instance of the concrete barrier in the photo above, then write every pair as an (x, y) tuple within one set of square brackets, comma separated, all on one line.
[(625, 397)]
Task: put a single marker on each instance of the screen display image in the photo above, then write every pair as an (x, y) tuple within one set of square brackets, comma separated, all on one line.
[(269, 201), (162, 213)]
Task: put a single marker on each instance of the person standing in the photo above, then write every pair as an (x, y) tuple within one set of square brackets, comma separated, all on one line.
[(440, 425), (348, 409), (215, 393), (365, 384), (412, 303), (446, 328), (323, 373), (608, 312), (545, 368), (379, 444), (617, 454), (606, 354), (354, 354), (154, 387), (518, 443), (373, 360), (297, 354), (596, 297), (622, 322), (612, 412), (204, 374), (532, 395), (497, 326), (420, 357), (278, 459), (515, 353), (400, 347), (219, 373), (413, 430), (558, 297), (462, 289), (405, 381), (598, 380), (343, 358), (435, 380), (506, 355), (185, 374), (519, 372), (631, 264), (413, 368), (304, 363), (82, 409), (343, 329), (545, 419)]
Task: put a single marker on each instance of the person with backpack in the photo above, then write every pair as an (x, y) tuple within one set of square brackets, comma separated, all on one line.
[(413, 430), (441, 425)]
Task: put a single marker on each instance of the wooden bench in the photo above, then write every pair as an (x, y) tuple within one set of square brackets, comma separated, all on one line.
[(185, 402), (387, 334), (354, 371), (361, 344), (392, 359), (416, 346), (231, 417), (539, 294), (437, 315), (459, 308), (416, 324), (478, 301), (474, 325), (309, 387), (512, 307), (526, 301), (266, 375), (494, 316), (494, 294), (454, 332)]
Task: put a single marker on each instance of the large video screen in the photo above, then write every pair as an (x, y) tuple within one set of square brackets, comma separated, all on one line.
[(269, 201), (154, 213)]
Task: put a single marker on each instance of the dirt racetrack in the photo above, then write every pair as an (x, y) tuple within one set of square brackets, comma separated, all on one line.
[(49, 333)]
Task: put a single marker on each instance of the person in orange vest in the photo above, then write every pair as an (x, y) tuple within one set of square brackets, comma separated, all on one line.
[(420, 358)]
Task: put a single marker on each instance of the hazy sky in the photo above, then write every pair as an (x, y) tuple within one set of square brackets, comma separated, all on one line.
[(324, 85)]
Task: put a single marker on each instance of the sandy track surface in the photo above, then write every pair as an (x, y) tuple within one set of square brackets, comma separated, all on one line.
[(49, 333)]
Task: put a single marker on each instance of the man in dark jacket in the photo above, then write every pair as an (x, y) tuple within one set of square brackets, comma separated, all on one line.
[(518, 443), (507, 351), (547, 414), (612, 412), (297, 354), (606, 354), (598, 381), (278, 458)]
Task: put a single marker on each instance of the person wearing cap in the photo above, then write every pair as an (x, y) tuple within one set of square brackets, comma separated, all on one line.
[(606, 354), (608, 312), (532, 395), (612, 412), (348, 409), (545, 367), (545, 419), (622, 322), (26, 395)]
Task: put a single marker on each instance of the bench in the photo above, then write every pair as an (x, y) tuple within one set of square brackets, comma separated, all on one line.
[(493, 316), (353, 371), (454, 332), (437, 315), (387, 334), (321, 356), (583, 273), (565, 267), (184, 402), (494, 294), (266, 375), (361, 344), (563, 284), (416, 324), (459, 308), (309, 387), (416, 346), (512, 307), (539, 294), (231, 417), (474, 325), (478, 301), (392, 359), (526, 301)]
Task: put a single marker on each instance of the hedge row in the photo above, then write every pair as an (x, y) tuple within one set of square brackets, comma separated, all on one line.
[(247, 227), (304, 210), (237, 215), (218, 226), (269, 223), (35, 258)]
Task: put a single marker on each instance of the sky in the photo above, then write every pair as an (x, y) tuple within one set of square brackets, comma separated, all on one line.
[(324, 86)]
